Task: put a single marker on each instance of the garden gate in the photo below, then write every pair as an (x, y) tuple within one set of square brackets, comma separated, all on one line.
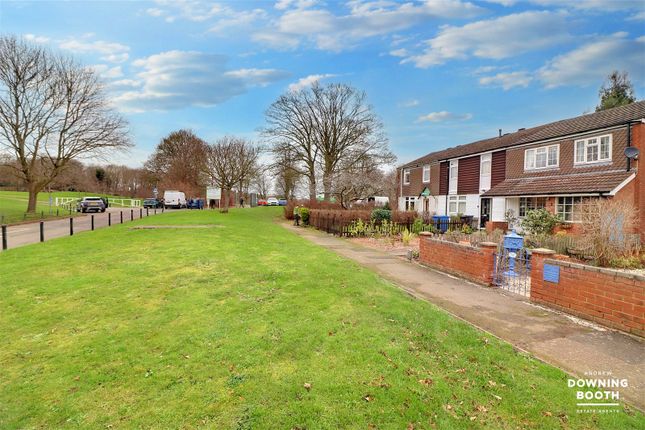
[(512, 269)]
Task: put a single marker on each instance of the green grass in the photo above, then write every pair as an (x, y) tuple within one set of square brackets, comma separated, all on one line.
[(13, 205), (222, 327)]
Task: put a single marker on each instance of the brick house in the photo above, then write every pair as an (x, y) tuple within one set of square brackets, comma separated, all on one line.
[(556, 166)]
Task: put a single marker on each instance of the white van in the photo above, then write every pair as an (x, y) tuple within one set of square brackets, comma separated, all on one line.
[(174, 199)]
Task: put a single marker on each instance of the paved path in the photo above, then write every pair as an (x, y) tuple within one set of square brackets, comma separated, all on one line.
[(25, 234), (566, 342)]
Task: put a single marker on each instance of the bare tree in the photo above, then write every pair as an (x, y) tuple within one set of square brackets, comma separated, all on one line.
[(349, 135), (359, 182), (229, 162), (291, 131), (52, 111), (261, 182), (178, 162)]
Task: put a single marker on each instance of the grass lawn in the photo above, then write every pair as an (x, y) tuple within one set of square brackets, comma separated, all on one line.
[(222, 328), (13, 205)]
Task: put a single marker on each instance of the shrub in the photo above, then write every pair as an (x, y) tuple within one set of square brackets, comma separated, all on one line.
[(466, 229), (417, 226), (539, 221), (606, 226), (380, 215), (304, 215), (630, 262), (407, 236)]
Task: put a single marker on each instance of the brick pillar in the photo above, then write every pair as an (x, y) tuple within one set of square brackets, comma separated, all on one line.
[(423, 247), (537, 269), (488, 251)]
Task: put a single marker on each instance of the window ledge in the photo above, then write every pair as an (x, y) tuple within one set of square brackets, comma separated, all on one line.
[(542, 169), (593, 164)]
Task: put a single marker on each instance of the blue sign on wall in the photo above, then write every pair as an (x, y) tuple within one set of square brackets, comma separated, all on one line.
[(551, 273)]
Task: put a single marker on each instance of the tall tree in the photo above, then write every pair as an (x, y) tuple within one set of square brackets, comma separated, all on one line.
[(230, 161), (261, 182), (348, 133), (52, 111), (291, 131), (178, 162), (287, 176), (616, 91)]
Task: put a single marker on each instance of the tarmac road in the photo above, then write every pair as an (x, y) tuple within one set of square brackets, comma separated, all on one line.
[(25, 234)]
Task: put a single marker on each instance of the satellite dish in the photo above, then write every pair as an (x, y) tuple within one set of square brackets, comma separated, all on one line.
[(632, 152)]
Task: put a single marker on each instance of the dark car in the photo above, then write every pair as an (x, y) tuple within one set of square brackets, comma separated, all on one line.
[(90, 204), (152, 203)]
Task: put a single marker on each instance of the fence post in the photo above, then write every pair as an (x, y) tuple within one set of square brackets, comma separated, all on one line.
[(131, 214), (140, 213), (121, 213), (155, 211), (109, 219), (147, 212), (42, 231), (71, 226), (489, 250), (92, 221), (4, 237)]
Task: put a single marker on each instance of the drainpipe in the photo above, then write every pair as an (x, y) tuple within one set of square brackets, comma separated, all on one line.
[(447, 188), (629, 143)]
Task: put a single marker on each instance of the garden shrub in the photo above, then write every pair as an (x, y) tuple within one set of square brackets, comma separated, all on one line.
[(417, 226), (379, 215), (539, 221), (629, 262), (304, 215), (406, 237)]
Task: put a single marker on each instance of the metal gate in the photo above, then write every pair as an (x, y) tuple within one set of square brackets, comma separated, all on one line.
[(512, 271)]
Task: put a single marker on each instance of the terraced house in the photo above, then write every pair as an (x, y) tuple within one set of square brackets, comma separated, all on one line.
[(557, 166)]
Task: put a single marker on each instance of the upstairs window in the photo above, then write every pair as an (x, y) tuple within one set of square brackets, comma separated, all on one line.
[(593, 150), (454, 174), (426, 173), (542, 158), (406, 176)]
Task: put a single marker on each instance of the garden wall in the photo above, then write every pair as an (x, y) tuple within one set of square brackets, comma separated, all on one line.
[(610, 297), (473, 263)]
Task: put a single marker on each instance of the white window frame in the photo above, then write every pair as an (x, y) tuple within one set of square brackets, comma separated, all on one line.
[(406, 176), (452, 182), (426, 169), (457, 201), (410, 203), (587, 144), (569, 208), (485, 180), (530, 157)]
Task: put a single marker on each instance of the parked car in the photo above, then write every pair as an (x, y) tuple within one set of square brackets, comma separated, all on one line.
[(174, 199), (272, 201), (262, 202), (195, 204), (152, 203), (282, 202), (90, 204)]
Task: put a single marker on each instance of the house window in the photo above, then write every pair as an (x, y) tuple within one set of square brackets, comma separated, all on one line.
[(454, 173), (531, 203), (570, 208), (426, 173), (409, 203), (593, 150), (456, 205), (485, 172), (542, 158), (406, 176)]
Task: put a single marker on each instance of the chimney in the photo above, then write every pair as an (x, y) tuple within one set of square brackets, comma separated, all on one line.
[(500, 132)]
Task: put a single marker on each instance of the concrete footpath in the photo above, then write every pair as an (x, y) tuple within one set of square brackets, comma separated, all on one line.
[(574, 345)]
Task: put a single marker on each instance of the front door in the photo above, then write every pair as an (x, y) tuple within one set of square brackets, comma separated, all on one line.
[(484, 215)]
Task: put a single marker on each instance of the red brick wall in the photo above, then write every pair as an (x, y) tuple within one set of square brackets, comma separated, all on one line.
[(475, 264), (611, 298)]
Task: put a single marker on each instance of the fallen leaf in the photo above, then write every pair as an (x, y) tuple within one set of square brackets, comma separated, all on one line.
[(547, 414), (307, 386), (473, 418), (426, 381), (368, 398), (497, 397), (410, 426), (481, 408), (492, 383)]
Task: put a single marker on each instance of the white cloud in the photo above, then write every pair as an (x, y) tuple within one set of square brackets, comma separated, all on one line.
[(591, 63), (276, 40), (37, 39), (308, 81), (237, 20), (154, 11), (401, 52), (601, 5), (409, 103), (335, 32), (496, 38), (109, 51), (108, 72), (178, 79), (507, 80), (299, 4), (132, 83), (444, 116), (192, 10), (639, 16)]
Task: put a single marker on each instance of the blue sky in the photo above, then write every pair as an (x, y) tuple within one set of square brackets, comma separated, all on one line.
[(439, 72)]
